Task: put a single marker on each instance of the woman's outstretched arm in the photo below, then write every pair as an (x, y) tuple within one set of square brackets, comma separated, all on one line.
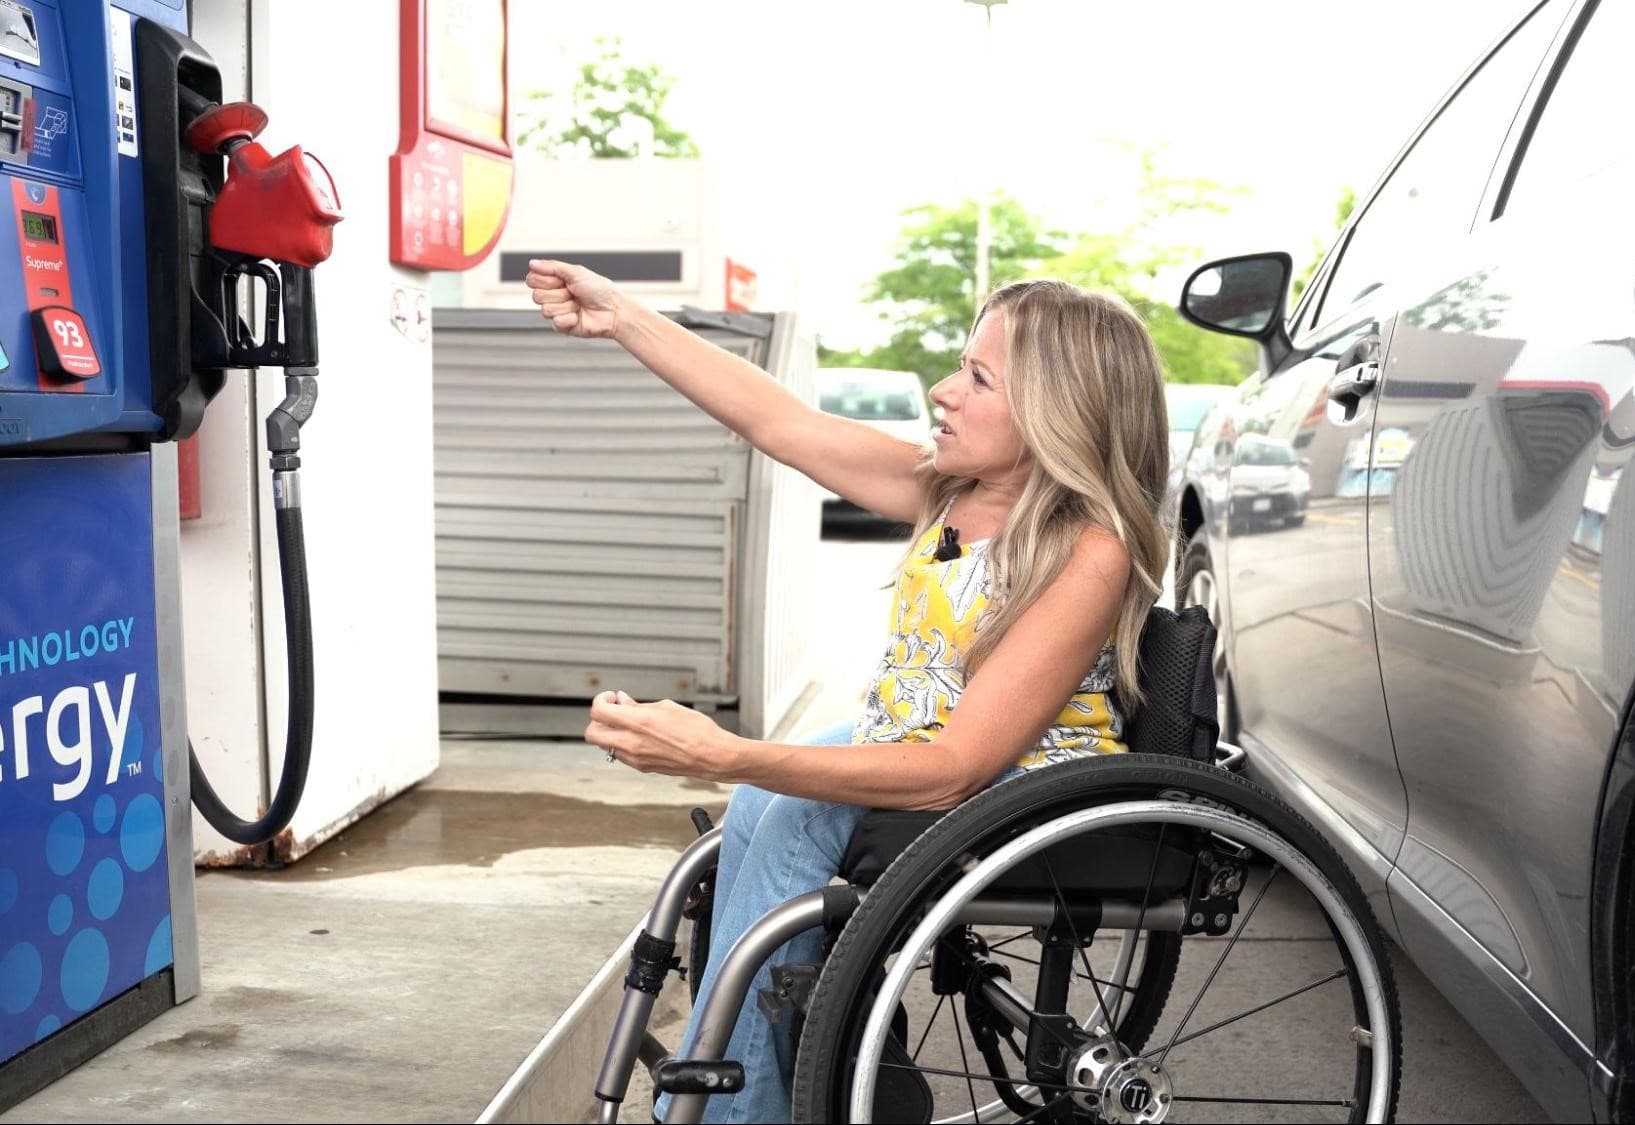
[(871, 469)]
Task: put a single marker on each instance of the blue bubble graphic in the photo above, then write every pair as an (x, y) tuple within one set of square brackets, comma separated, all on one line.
[(48, 1026), (64, 843), (8, 889), (20, 975), (61, 914), (159, 951), (106, 889), (102, 816), (84, 970), (142, 835)]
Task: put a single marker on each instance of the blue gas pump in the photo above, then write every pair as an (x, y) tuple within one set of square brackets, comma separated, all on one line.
[(137, 214)]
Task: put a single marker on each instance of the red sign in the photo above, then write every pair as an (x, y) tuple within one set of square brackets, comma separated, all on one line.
[(742, 292), (64, 344), (451, 175), (64, 353)]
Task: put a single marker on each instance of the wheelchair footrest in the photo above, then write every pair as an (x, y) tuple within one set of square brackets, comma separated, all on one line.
[(692, 1076)]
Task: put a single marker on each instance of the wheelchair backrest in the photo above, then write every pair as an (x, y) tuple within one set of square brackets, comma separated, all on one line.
[(1177, 674)]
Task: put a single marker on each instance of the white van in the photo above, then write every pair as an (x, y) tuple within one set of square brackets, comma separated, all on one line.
[(891, 401)]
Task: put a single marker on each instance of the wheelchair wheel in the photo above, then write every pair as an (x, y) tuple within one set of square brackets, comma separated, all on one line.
[(1283, 1006)]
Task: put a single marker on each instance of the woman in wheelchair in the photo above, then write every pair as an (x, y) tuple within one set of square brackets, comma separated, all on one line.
[(1020, 620)]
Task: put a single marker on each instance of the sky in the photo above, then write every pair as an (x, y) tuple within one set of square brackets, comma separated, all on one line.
[(829, 118)]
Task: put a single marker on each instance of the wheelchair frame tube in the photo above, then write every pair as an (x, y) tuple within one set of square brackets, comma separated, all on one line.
[(630, 1026), (732, 981), (1110, 914)]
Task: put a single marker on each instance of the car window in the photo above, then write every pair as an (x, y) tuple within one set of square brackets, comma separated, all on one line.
[(870, 404), (1570, 140), (1263, 451), (1433, 194)]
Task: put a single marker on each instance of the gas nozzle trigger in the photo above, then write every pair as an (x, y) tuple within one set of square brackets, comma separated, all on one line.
[(244, 349)]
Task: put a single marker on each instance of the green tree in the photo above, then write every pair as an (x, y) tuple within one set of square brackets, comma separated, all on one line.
[(1320, 245), (1142, 257), (929, 297), (615, 109)]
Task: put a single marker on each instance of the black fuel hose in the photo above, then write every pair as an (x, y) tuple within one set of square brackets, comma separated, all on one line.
[(292, 566)]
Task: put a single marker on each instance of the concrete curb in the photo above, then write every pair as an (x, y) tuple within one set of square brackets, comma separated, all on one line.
[(554, 1083)]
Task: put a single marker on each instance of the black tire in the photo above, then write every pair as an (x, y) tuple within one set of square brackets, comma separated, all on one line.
[(927, 869), (1195, 565), (1152, 989)]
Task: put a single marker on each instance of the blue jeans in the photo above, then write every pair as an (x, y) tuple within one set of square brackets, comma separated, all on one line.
[(773, 848)]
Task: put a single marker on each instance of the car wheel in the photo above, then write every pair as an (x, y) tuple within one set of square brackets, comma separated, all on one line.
[(1195, 584), (1295, 520)]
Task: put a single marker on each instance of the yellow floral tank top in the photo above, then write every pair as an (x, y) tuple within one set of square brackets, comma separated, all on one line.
[(933, 622)]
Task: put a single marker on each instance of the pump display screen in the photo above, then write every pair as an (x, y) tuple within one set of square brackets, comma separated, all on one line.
[(39, 228), (18, 36)]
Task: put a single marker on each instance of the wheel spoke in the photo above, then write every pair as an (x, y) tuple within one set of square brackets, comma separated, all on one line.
[(1090, 974), (1015, 957), (1110, 986), (965, 1062), (1219, 961), (1347, 1103), (1334, 976), (928, 1026), (1014, 937), (944, 1072)]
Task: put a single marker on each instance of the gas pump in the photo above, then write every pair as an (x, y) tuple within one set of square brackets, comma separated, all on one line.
[(138, 217)]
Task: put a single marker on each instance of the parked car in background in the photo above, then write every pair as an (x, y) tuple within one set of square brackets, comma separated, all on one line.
[(1187, 405), (893, 402), (1269, 485), (1435, 664)]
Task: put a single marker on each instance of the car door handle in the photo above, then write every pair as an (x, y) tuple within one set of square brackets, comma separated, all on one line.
[(1351, 383), (1358, 371)]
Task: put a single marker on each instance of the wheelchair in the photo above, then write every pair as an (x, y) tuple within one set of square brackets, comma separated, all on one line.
[(1058, 948)]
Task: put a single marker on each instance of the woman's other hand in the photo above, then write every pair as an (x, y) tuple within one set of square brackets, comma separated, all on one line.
[(575, 300), (662, 737)]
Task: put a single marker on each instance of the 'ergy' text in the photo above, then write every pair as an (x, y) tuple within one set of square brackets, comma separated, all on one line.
[(66, 724)]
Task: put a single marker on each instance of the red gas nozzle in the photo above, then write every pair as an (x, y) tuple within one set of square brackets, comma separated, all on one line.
[(279, 207), (220, 125)]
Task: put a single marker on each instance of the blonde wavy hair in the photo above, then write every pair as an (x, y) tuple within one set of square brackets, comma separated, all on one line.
[(1086, 394)]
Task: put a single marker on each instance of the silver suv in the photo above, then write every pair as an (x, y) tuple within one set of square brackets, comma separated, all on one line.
[(1430, 652)]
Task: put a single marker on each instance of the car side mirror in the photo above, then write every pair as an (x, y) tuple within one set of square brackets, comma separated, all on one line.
[(1240, 296)]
